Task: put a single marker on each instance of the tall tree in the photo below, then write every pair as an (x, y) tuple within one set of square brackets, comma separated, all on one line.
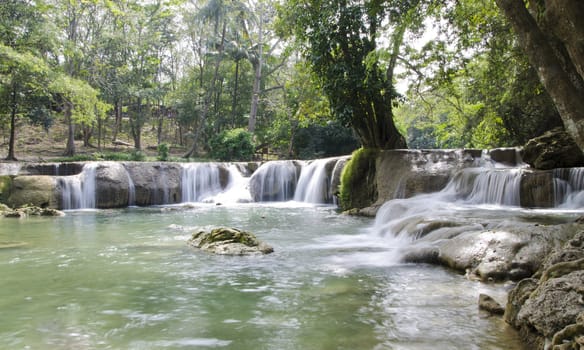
[(552, 35), (341, 40)]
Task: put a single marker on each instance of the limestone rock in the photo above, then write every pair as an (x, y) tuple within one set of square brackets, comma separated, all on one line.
[(506, 253), (36, 190), (112, 184), (554, 149), (28, 210), (156, 183), (229, 241)]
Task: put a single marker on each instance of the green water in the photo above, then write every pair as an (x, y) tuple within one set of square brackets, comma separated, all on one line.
[(125, 279)]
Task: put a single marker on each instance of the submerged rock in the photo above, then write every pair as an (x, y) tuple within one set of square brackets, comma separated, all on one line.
[(229, 241)]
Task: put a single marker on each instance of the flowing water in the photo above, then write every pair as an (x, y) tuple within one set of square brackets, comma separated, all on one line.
[(125, 279)]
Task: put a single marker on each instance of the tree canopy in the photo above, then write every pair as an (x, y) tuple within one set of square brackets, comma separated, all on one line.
[(303, 77)]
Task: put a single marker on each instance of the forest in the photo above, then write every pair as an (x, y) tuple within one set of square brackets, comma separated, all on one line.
[(231, 79)]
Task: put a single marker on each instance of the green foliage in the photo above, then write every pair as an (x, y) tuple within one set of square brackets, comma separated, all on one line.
[(339, 40), (163, 151), (358, 188), (230, 145)]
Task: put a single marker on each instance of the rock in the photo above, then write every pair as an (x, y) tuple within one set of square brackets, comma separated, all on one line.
[(507, 156), (35, 190), (156, 183), (28, 210), (229, 241), (490, 305), (550, 309), (553, 305), (554, 149), (506, 253), (112, 185), (5, 185), (274, 181), (537, 189)]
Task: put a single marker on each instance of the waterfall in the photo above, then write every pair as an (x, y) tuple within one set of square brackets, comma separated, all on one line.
[(314, 183), (274, 181), (487, 186), (78, 191), (200, 182), (131, 190), (569, 188)]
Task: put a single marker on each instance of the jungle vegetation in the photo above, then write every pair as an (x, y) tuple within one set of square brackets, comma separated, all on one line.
[(295, 79)]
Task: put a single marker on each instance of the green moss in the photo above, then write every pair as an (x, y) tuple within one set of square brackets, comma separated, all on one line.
[(5, 184), (358, 188)]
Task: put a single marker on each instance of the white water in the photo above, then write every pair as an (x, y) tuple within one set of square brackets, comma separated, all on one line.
[(201, 182), (131, 190), (78, 191), (275, 181), (314, 183)]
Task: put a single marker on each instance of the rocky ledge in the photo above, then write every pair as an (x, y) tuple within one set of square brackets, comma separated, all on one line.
[(28, 210), (229, 241), (548, 308)]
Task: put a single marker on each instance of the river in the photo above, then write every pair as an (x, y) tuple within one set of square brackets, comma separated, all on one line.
[(125, 279)]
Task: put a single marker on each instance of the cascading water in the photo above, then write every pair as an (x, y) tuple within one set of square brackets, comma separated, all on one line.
[(274, 181), (200, 182), (131, 190), (314, 183), (78, 191), (569, 188), (214, 183)]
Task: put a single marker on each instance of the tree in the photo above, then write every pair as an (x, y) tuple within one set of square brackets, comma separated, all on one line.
[(551, 33), (341, 40), (23, 78)]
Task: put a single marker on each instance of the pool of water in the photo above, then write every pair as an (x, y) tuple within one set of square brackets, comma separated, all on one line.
[(125, 279)]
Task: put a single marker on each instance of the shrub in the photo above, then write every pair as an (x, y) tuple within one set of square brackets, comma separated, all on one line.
[(230, 145), (163, 150)]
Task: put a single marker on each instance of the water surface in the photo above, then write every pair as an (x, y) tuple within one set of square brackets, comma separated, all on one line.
[(125, 279)]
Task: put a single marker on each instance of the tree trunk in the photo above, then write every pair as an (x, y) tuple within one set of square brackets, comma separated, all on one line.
[(12, 140), (235, 92), (257, 64), (552, 66), (70, 149), (118, 123)]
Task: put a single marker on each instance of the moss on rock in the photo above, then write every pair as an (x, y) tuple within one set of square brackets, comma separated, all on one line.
[(229, 241), (358, 187)]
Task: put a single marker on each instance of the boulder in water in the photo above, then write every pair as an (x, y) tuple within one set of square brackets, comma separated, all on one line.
[(229, 241), (554, 149)]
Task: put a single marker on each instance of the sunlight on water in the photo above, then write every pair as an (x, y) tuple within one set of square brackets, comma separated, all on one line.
[(125, 279)]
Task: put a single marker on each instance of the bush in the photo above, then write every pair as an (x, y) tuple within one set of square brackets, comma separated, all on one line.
[(163, 150), (232, 145)]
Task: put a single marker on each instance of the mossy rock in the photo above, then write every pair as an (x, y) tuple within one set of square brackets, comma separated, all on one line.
[(229, 241), (5, 184), (358, 186)]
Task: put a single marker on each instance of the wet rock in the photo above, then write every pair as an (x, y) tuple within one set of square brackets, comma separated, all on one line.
[(112, 185), (554, 149), (490, 305), (229, 241), (156, 183), (505, 253), (28, 210)]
